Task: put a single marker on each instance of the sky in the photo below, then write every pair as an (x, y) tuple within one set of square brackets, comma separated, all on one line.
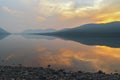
[(19, 15)]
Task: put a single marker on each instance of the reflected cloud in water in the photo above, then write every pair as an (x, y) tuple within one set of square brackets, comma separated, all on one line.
[(59, 53), (95, 58)]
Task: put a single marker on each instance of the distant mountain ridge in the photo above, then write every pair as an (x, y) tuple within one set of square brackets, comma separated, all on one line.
[(2, 31), (38, 31), (91, 30)]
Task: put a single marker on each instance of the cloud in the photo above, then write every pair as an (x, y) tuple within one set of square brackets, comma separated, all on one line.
[(68, 6), (62, 13), (101, 12), (109, 12), (10, 11), (40, 19), (97, 11)]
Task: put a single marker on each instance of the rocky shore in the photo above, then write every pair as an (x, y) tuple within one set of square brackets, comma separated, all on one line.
[(40, 73)]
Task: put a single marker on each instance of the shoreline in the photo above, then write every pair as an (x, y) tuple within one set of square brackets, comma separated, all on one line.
[(39, 73)]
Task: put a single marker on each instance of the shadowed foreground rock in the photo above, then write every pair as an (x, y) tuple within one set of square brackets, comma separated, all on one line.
[(39, 73)]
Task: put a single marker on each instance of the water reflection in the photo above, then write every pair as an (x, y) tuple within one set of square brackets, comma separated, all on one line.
[(59, 53), (3, 36), (95, 58), (102, 41), (38, 37)]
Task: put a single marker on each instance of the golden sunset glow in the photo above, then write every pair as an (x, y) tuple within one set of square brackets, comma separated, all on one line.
[(114, 52), (97, 58), (110, 17), (59, 14)]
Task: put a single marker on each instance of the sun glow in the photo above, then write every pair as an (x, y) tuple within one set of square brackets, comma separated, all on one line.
[(106, 18)]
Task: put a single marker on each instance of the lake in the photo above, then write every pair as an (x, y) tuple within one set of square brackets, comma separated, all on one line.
[(85, 54)]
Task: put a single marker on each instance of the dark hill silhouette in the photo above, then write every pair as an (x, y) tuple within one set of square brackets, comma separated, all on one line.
[(91, 30), (38, 31), (92, 34)]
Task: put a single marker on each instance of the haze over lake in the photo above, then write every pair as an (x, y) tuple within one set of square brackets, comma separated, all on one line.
[(33, 50)]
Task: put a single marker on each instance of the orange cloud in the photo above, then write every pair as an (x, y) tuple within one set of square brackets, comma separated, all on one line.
[(103, 13)]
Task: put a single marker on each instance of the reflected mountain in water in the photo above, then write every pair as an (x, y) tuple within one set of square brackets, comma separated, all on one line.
[(3, 36), (91, 34), (102, 41), (30, 36), (3, 33)]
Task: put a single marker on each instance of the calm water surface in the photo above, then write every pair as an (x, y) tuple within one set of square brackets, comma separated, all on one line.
[(60, 53)]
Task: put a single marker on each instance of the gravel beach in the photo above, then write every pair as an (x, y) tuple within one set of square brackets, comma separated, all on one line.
[(40, 73)]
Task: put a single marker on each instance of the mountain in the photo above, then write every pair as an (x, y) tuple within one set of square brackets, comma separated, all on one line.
[(38, 31), (2, 31), (91, 30)]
